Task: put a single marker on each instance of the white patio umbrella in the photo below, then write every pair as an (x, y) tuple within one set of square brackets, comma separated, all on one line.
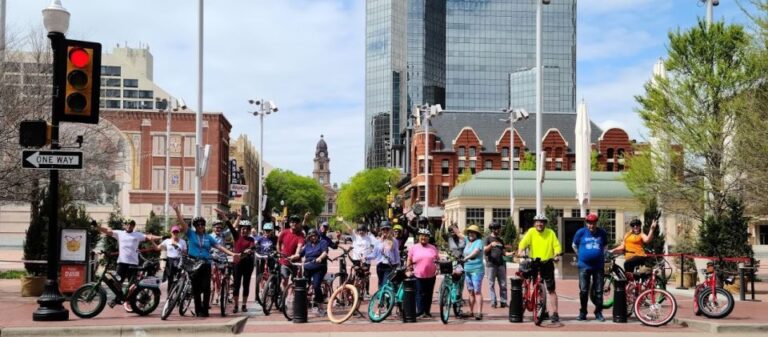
[(583, 149)]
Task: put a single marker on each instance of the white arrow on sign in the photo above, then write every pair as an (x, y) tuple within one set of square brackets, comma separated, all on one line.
[(36, 159)]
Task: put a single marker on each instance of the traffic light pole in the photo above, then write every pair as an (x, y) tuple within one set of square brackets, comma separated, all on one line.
[(51, 308)]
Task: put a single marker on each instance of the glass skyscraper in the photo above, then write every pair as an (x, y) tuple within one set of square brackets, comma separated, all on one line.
[(467, 55)]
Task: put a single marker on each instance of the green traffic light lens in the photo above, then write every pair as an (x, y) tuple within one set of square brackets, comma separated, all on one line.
[(77, 79), (76, 102)]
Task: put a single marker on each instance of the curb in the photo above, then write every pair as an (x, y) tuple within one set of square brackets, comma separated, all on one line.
[(715, 327), (230, 328)]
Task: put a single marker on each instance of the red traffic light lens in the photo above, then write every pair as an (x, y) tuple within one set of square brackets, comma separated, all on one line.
[(79, 57)]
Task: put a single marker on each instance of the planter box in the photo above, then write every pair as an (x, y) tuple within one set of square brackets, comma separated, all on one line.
[(689, 279), (32, 286)]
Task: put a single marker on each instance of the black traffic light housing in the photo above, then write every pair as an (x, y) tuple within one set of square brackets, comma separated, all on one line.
[(34, 133), (79, 82)]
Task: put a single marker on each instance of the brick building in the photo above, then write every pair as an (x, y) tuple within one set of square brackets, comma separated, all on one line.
[(480, 141)]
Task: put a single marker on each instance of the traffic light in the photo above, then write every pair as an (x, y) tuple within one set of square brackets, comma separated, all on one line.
[(34, 133), (80, 81)]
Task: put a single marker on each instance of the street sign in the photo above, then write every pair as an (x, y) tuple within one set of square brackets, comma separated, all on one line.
[(52, 160), (240, 189)]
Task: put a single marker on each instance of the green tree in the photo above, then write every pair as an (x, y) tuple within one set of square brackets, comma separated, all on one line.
[(463, 177), (364, 197), (727, 235), (652, 212), (593, 163), (694, 107), (300, 194), (155, 225), (509, 235), (552, 214), (528, 163)]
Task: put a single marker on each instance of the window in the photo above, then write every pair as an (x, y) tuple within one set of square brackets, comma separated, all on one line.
[(488, 164), (158, 145), (501, 216), (175, 145), (189, 179), (516, 166), (462, 151), (505, 152), (516, 152), (322, 180), (320, 166), (110, 71), (462, 165), (130, 83), (158, 179), (189, 146), (609, 166), (444, 166), (175, 179), (130, 105), (576, 213), (608, 220), (113, 104), (620, 159), (475, 216), (131, 93), (146, 94), (473, 166), (421, 165), (505, 165), (113, 82), (558, 166), (147, 105), (472, 151), (112, 93), (421, 194), (330, 206), (444, 192)]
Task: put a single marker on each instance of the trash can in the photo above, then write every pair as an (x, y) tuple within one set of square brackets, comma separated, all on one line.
[(409, 300), (300, 300), (620, 301), (516, 310)]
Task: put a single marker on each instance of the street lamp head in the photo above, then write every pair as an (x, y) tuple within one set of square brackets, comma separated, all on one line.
[(436, 110), (180, 104), (256, 102), (546, 2), (521, 114), (56, 18)]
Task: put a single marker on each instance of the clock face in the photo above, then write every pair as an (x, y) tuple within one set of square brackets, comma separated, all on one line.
[(322, 154)]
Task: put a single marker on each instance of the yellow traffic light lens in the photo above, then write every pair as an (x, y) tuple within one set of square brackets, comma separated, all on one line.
[(76, 102), (79, 57), (77, 79)]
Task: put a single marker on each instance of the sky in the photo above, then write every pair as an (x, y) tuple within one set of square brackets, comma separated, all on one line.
[(308, 57)]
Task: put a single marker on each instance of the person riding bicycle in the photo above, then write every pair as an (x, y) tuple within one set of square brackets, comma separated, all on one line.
[(589, 243), (174, 247), (315, 253), (363, 243), (323, 230), (421, 263), (386, 253), (496, 267), (199, 247), (289, 243), (543, 244), (265, 245), (128, 241), (244, 267), (632, 246)]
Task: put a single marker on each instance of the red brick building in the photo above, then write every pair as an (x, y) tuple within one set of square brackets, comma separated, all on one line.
[(145, 135), (479, 141)]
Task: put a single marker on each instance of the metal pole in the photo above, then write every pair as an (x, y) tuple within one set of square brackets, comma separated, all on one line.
[(426, 162), (709, 13), (511, 164), (167, 165), (261, 165), (199, 114), (51, 308), (539, 104)]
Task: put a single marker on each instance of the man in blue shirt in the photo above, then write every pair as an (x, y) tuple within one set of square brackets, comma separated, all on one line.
[(589, 243), (324, 228), (315, 252)]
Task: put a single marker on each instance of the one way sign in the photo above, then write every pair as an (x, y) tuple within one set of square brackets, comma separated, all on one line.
[(52, 160)]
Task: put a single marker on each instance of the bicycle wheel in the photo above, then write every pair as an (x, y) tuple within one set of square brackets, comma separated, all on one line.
[(381, 305), (261, 282), (269, 295), (88, 300), (608, 289), (224, 296), (445, 304), (653, 312), (631, 296), (145, 300), (717, 305), (171, 300), (186, 300), (343, 303), (541, 304), (287, 302), (666, 270)]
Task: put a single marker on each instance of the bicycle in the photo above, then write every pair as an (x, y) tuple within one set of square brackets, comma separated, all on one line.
[(636, 282), (224, 283), (389, 296), (450, 289), (288, 295), (345, 299), (217, 270), (271, 292), (181, 293), (709, 298), (142, 292), (654, 306), (534, 292)]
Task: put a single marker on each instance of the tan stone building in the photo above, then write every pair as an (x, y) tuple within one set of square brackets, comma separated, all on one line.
[(322, 174)]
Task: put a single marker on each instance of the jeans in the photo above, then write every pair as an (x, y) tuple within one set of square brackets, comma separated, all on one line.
[(316, 275), (425, 287), (497, 273), (593, 278), (382, 271), (201, 288)]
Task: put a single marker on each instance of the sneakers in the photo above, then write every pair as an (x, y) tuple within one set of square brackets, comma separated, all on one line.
[(555, 318), (127, 307), (582, 316), (599, 316), (503, 305)]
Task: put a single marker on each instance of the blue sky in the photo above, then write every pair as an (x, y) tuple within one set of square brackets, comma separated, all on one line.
[(308, 57)]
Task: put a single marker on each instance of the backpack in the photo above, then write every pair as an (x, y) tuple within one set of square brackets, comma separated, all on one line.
[(496, 256)]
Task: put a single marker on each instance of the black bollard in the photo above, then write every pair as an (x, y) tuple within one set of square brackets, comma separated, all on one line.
[(516, 300), (300, 300), (620, 301), (409, 300)]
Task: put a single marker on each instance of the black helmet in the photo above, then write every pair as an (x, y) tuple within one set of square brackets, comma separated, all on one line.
[(294, 218), (422, 220), (198, 220), (385, 224), (311, 232), (494, 225), (362, 227), (635, 222)]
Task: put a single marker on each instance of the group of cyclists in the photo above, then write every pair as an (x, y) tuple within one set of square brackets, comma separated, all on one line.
[(386, 250)]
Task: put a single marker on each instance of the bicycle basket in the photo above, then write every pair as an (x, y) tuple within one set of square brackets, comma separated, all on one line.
[(525, 268), (192, 265), (446, 267)]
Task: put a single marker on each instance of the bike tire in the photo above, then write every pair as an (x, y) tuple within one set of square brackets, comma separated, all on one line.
[(186, 300), (445, 304), (268, 296), (631, 296), (87, 293), (609, 286), (287, 301), (651, 312), (171, 301), (342, 304), (261, 282), (381, 305), (144, 300), (540, 304), (706, 303), (224, 296)]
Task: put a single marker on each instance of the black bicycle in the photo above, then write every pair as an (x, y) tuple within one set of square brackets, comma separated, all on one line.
[(181, 293)]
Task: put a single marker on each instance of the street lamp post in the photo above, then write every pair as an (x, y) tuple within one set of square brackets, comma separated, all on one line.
[(56, 21), (539, 102), (429, 112), (265, 107), (169, 105), (514, 116), (710, 4)]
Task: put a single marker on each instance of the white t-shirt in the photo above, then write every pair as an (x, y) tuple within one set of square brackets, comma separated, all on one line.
[(174, 252), (129, 244), (362, 246)]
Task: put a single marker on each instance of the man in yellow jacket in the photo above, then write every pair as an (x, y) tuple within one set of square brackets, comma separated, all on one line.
[(543, 244)]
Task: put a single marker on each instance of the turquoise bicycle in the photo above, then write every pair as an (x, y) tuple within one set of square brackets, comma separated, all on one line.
[(389, 296), (451, 289)]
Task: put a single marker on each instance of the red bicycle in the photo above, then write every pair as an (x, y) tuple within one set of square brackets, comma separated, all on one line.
[(654, 306), (710, 299), (534, 292)]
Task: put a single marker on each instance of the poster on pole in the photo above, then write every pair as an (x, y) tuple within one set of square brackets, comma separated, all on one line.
[(73, 245)]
